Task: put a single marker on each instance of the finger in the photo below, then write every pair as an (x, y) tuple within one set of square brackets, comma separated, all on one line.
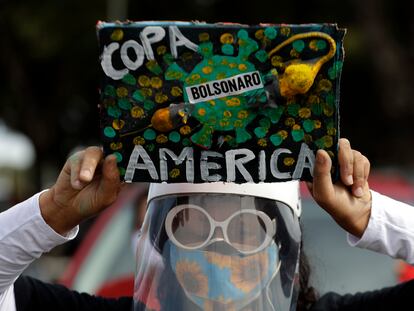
[(90, 161), (72, 167), (345, 159), (110, 183), (361, 171), (323, 189)]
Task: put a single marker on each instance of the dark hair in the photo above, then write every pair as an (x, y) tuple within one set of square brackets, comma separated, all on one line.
[(307, 294)]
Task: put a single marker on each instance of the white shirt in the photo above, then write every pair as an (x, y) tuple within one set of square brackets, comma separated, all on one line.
[(25, 236), (390, 229)]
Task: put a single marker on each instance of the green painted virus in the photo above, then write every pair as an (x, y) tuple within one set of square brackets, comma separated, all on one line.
[(230, 113)]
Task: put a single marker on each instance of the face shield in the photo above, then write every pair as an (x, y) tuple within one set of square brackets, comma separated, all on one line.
[(219, 247)]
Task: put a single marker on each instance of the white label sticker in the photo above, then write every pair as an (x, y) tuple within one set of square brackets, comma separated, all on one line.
[(220, 88)]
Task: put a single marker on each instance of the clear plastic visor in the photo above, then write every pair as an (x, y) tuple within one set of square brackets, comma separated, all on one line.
[(216, 252)]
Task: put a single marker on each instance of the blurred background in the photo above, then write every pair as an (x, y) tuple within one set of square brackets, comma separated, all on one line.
[(49, 95)]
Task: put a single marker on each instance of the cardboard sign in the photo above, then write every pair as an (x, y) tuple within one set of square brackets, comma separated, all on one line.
[(197, 102)]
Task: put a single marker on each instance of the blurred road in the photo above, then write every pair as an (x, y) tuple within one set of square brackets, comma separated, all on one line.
[(335, 265)]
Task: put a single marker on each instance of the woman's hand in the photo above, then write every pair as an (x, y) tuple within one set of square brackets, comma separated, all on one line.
[(348, 201), (86, 185)]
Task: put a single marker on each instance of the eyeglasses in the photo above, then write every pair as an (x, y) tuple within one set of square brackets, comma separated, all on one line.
[(248, 231)]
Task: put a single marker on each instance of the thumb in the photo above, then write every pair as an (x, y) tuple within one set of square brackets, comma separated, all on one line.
[(323, 190)]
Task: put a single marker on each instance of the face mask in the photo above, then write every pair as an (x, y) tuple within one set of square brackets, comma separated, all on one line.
[(228, 282)]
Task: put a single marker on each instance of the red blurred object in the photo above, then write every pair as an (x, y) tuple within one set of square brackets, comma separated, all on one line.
[(123, 286)]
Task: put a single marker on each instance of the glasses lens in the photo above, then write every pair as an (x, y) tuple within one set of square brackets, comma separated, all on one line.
[(190, 227), (246, 232)]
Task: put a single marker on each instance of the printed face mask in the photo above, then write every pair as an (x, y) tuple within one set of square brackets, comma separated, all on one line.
[(215, 281)]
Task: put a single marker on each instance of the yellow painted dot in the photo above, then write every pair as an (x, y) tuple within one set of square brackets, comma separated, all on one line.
[(243, 114), (207, 70), (174, 75), (121, 92), (220, 75), (224, 123), (161, 50), (118, 124), (225, 61), (304, 113), (331, 131), (262, 142), (201, 111), (161, 139), (227, 114), (233, 102), (313, 45), (232, 65), (226, 38), (242, 67), (175, 172), (176, 91), (296, 127), (238, 123), (328, 111), (328, 141), (116, 146), (156, 82), (185, 130), (139, 140), (277, 61), (144, 81), (290, 122), (117, 35), (317, 124), (288, 161), (147, 92), (204, 36), (331, 154), (137, 112), (212, 103), (313, 99), (308, 138), (324, 85), (294, 53), (283, 134), (160, 98), (259, 34), (285, 31)]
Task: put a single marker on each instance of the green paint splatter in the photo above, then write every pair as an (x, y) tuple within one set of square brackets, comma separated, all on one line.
[(109, 132), (150, 147), (110, 91), (118, 156), (153, 66), (330, 99), (276, 139), (334, 71), (114, 112), (298, 135), (321, 44), (121, 171), (308, 125), (270, 33), (265, 123), (242, 34), (261, 55), (124, 104), (149, 134), (174, 136), (186, 142), (129, 79), (298, 45), (227, 49), (260, 132), (168, 58), (317, 109), (138, 96), (206, 49), (293, 109), (148, 104)]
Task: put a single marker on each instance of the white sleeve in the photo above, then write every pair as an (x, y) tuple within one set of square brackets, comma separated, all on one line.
[(24, 237), (390, 229)]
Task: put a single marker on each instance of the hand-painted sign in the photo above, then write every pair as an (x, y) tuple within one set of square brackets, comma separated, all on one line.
[(197, 102)]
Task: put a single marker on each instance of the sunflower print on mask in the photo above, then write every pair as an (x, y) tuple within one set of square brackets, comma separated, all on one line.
[(189, 274)]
